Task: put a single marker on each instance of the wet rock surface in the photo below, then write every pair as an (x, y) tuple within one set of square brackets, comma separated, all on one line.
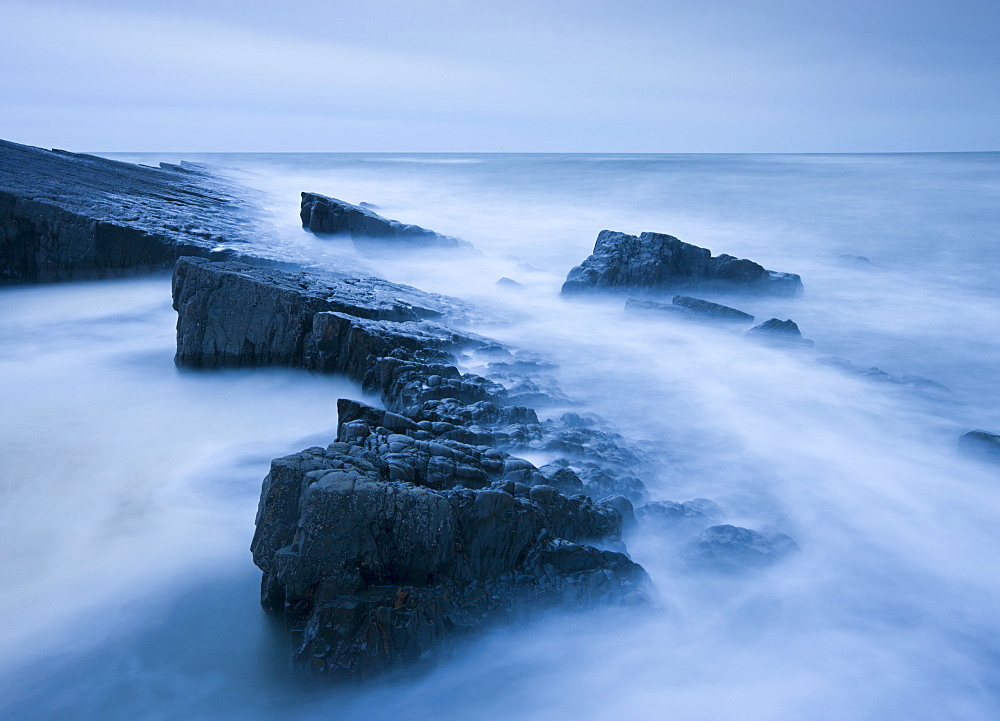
[(779, 331), (684, 306), (660, 262), (382, 548), (328, 216), (419, 522), (68, 216), (231, 314)]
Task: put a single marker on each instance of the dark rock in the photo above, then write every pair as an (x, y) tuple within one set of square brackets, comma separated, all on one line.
[(65, 216), (692, 308), (731, 549), (982, 444), (856, 260), (779, 330), (233, 314), (418, 524), (383, 548), (711, 310), (328, 216), (657, 262)]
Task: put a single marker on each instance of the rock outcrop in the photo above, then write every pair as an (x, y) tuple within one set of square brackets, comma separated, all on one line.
[(779, 331), (382, 548), (66, 216), (418, 523), (231, 314), (981, 444), (328, 216), (657, 262), (684, 306)]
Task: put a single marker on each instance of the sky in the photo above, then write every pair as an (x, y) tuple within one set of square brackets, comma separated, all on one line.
[(512, 76)]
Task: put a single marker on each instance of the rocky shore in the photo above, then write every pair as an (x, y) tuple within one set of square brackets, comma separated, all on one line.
[(421, 521), (68, 216)]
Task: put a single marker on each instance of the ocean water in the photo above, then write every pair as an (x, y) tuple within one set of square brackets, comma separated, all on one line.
[(129, 488)]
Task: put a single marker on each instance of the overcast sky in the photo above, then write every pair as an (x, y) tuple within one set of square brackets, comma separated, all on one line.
[(452, 75)]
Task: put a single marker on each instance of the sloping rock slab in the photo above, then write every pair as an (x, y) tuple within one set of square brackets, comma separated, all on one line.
[(692, 308), (327, 216), (659, 262), (231, 314), (65, 216)]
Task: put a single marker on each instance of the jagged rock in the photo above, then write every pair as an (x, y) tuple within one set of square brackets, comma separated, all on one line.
[(326, 216), (66, 216), (658, 262), (381, 549), (731, 549), (233, 314), (982, 444), (417, 524), (679, 518), (685, 306), (785, 331)]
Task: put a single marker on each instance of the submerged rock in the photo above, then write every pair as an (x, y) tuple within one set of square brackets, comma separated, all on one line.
[(67, 216), (693, 308), (679, 518), (508, 283), (779, 330), (731, 549), (658, 262), (982, 444), (878, 375), (327, 216)]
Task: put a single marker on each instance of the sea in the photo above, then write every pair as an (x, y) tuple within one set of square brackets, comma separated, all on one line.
[(128, 487)]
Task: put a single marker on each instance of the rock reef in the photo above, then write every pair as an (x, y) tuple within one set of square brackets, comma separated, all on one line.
[(417, 524), (67, 216), (328, 216), (660, 262)]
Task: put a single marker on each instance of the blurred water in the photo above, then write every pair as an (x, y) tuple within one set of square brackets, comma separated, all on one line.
[(129, 489)]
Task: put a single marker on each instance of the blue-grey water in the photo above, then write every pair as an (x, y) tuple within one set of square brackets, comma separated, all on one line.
[(128, 488)]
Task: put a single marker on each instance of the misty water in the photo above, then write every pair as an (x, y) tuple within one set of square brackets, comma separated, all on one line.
[(129, 488)]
